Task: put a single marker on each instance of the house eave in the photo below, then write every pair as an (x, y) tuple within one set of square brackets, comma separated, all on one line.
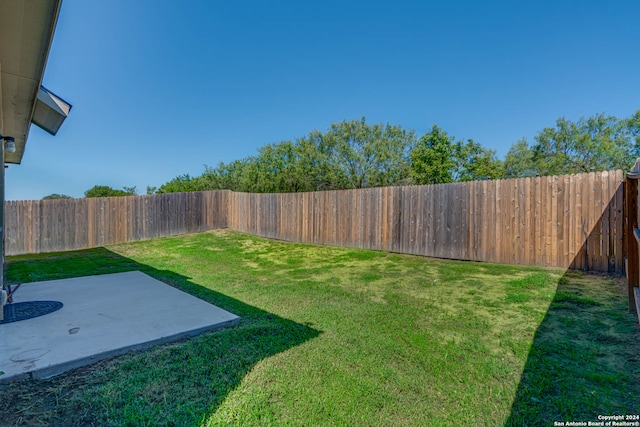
[(26, 34)]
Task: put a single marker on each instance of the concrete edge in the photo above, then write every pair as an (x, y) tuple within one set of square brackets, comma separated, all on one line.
[(51, 371)]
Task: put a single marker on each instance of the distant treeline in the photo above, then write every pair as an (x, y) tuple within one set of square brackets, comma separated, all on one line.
[(355, 154)]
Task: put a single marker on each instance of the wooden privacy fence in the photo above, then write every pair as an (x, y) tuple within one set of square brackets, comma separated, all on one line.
[(34, 226), (572, 221)]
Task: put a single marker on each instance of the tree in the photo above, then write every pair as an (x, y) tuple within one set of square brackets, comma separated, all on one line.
[(519, 161), (632, 124), (276, 169), (592, 144), (56, 196), (438, 158), (230, 176), (475, 162), (367, 156), (316, 167), (433, 158), (286, 167), (131, 191), (179, 184), (106, 191), (349, 155), (354, 154)]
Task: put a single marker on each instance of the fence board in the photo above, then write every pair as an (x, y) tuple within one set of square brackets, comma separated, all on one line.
[(619, 220)]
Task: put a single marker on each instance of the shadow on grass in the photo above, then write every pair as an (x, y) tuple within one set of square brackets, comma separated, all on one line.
[(175, 384), (585, 357)]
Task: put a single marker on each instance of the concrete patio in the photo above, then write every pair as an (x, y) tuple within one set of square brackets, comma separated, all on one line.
[(103, 316)]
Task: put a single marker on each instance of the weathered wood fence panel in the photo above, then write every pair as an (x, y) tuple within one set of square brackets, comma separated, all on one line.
[(34, 226), (571, 221)]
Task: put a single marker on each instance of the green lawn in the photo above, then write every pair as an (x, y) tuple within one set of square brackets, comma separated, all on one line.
[(333, 336)]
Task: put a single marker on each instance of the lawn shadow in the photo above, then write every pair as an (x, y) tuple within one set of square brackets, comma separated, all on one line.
[(175, 384), (585, 356)]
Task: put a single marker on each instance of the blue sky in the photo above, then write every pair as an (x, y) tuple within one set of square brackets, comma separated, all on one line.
[(160, 88)]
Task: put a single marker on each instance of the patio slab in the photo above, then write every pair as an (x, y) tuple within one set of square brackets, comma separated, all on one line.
[(103, 316)]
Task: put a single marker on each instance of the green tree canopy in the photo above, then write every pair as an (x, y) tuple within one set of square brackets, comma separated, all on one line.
[(595, 143), (106, 191), (438, 158), (632, 124), (590, 144), (355, 154), (56, 196), (519, 161), (367, 156), (433, 158), (349, 155), (278, 168), (475, 162), (229, 176), (181, 184)]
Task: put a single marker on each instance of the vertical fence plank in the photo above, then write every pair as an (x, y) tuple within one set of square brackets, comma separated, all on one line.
[(552, 219), (570, 219), (578, 224), (477, 217), (501, 233), (605, 206), (430, 236), (506, 221), (487, 202), (516, 244), (593, 230), (619, 221), (564, 221), (464, 225)]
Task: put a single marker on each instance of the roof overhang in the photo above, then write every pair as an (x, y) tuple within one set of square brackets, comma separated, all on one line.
[(26, 33)]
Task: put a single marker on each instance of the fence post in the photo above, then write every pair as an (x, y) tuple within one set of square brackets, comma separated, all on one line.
[(632, 232)]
